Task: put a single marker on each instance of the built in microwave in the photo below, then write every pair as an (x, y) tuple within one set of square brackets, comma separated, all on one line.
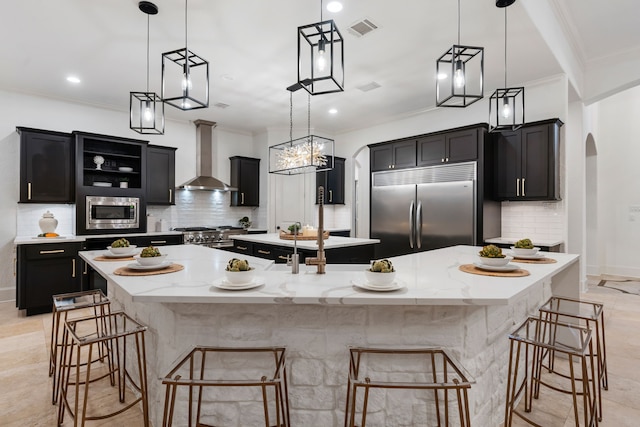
[(112, 213)]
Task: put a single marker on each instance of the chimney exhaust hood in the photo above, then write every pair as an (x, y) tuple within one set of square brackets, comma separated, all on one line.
[(204, 179)]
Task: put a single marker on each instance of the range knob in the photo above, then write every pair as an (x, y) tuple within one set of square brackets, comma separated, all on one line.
[(189, 238)]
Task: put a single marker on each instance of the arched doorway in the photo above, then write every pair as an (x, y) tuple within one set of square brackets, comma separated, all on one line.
[(591, 205)]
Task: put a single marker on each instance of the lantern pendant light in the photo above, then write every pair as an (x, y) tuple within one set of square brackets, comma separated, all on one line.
[(185, 76), (506, 105), (321, 57), (460, 74), (146, 109)]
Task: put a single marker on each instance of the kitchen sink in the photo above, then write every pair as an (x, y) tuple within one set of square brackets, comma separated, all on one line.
[(312, 268)]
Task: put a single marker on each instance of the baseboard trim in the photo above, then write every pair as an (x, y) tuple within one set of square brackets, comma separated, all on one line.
[(7, 294)]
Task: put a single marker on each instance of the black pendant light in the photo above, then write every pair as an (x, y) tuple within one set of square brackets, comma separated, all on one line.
[(185, 76), (146, 109), (506, 105), (321, 57), (460, 74)]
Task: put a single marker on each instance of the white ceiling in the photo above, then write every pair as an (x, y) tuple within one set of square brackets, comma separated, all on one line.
[(251, 47)]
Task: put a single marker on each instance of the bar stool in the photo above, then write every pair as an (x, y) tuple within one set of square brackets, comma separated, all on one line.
[(591, 315), (113, 331), (213, 373), (572, 341), (373, 368), (63, 306)]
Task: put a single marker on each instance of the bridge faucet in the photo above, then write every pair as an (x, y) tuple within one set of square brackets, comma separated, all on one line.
[(320, 261)]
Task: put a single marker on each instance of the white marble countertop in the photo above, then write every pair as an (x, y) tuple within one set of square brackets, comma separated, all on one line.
[(427, 278), (512, 240), (330, 243), (25, 240)]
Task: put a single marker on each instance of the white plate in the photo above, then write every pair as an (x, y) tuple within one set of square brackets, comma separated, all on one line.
[(508, 267), (136, 266), (228, 286), (536, 256), (112, 255), (125, 169), (102, 184), (394, 286)]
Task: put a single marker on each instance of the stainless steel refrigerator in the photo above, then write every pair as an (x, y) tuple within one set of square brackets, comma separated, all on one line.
[(421, 209)]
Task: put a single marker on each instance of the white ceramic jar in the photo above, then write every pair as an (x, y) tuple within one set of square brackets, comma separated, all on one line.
[(48, 223)]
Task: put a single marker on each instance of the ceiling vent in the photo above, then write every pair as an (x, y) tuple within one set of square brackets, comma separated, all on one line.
[(221, 105), (363, 27), (368, 87)]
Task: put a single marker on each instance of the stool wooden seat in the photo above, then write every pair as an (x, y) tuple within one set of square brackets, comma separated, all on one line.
[(529, 344), (223, 376), (80, 303), (113, 331), (430, 369)]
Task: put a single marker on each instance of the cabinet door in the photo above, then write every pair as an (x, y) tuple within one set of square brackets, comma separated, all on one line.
[(381, 158), (507, 171), (46, 167), (333, 183), (159, 240), (161, 175), (404, 154), (245, 176), (432, 150), (462, 146), (537, 171)]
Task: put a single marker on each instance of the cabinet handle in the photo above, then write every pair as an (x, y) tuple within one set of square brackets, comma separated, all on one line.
[(330, 196), (55, 251), (393, 166), (442, 160), (446, 160), (242, 198), (260, 251), (28, 191), (170, 195), (15, 265), (242, 248), (389, 166), (282, 257), (85, 268), (517, 186), (522, 187), (158, 242), (73, 268)]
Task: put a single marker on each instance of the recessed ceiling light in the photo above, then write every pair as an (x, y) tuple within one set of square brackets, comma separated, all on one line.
[(334, 6), (73, 79), (227, 77), (333, 111)]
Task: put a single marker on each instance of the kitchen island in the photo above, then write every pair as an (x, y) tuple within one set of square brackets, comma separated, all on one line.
[(317, 317)]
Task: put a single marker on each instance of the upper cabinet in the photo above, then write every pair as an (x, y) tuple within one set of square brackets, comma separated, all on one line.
[(104, 162), (333, 182), (526, 162), (161, 175), (46, 166), (245, 176), (394, 155), (458, 146)]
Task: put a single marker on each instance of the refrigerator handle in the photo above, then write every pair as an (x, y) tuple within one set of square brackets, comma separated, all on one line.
[(412, 224), (419, 226)]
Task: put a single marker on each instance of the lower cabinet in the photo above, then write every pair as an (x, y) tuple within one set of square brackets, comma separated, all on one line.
[(44, 270), (361, 254)]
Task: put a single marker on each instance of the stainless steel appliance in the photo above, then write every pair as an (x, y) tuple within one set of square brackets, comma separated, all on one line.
[(112, 213), (421, 209), (211, 237)]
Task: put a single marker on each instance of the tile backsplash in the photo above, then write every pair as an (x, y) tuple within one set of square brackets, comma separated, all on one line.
[(535, 220)]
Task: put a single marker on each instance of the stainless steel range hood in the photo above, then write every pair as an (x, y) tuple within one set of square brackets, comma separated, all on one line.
[(204, 179)]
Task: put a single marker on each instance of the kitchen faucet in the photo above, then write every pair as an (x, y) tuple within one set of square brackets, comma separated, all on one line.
[(294, 259), (320, 261)]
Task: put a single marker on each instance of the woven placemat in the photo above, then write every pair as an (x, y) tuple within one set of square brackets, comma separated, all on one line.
[(470, 268), (124, 271), (104, 258), (534, 261)]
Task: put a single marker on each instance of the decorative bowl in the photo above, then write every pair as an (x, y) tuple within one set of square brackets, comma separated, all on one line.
[(125, 169), (495, 262), (151, 260), (121, 251), (379, 279), (240, 277), (525, 252)]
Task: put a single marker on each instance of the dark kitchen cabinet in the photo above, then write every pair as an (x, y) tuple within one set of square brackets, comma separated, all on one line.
[(46, 166), (161, 175), (333, 182), (245, 176), (394, 155), (44, 270), (452, 147), (527, 163)]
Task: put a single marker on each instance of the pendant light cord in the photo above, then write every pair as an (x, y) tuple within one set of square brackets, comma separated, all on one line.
[(147, 52), (185, 31), (309, 115), (458, 22), (290, 116), (505, 47), (321, 9)]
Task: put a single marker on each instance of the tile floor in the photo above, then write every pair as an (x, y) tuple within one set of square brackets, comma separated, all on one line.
[(25, 388)]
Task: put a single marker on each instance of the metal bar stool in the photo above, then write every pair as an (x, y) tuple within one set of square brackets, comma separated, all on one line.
[(590, 315), (63, 305), (211, 373), (529, 344), (435, 369), (113, 330)]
